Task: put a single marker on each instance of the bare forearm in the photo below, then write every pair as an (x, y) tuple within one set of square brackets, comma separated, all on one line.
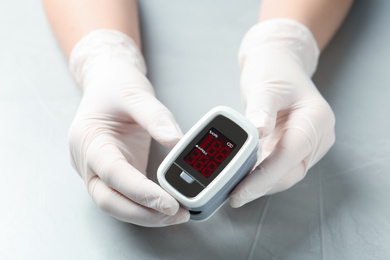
[(72, 19), (322, 17)]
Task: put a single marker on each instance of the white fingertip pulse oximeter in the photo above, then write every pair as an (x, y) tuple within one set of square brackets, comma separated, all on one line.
[(209, 161)]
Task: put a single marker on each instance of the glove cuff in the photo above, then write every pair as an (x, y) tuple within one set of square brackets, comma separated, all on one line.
[(101, 46), (284, 33)]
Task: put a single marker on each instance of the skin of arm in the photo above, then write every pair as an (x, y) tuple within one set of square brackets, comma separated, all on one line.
[(322, 17), (73, 19)]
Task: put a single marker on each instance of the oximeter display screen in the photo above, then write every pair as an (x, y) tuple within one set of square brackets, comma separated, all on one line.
[(210, 152)]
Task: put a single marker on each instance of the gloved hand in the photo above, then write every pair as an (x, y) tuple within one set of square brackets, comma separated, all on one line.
[(110, 136), (295, 123)]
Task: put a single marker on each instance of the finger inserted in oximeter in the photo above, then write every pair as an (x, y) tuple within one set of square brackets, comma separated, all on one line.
[(209, 161)]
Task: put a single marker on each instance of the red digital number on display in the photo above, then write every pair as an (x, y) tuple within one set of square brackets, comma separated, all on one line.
[(210, 153)]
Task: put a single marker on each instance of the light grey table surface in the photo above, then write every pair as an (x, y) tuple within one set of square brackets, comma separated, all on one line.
[(341, 210)]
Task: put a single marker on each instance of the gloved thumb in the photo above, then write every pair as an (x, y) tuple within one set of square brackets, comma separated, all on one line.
[(155, 118), (261, 109)]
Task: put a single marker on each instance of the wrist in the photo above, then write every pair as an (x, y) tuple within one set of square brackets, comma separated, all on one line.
[(287, 35), (103, 52)]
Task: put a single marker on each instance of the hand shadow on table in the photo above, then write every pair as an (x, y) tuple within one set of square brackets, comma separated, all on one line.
[(284, 225)]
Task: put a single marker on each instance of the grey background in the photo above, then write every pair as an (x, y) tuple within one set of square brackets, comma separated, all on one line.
[(339, 211)]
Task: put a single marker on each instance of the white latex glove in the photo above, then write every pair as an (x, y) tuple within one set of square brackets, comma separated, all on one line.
[(110, 136), (295, 123)]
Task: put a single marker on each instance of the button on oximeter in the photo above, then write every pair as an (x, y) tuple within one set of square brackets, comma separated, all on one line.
[(189, 190), (187, 178)]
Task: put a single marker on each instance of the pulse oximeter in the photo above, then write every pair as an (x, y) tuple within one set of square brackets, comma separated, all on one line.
[(209, 161)]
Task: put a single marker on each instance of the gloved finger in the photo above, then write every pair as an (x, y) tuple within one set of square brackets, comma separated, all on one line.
[(110, 165), (290, 179), (325, 142), (290, 151), (153, 116), (120, 207)]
